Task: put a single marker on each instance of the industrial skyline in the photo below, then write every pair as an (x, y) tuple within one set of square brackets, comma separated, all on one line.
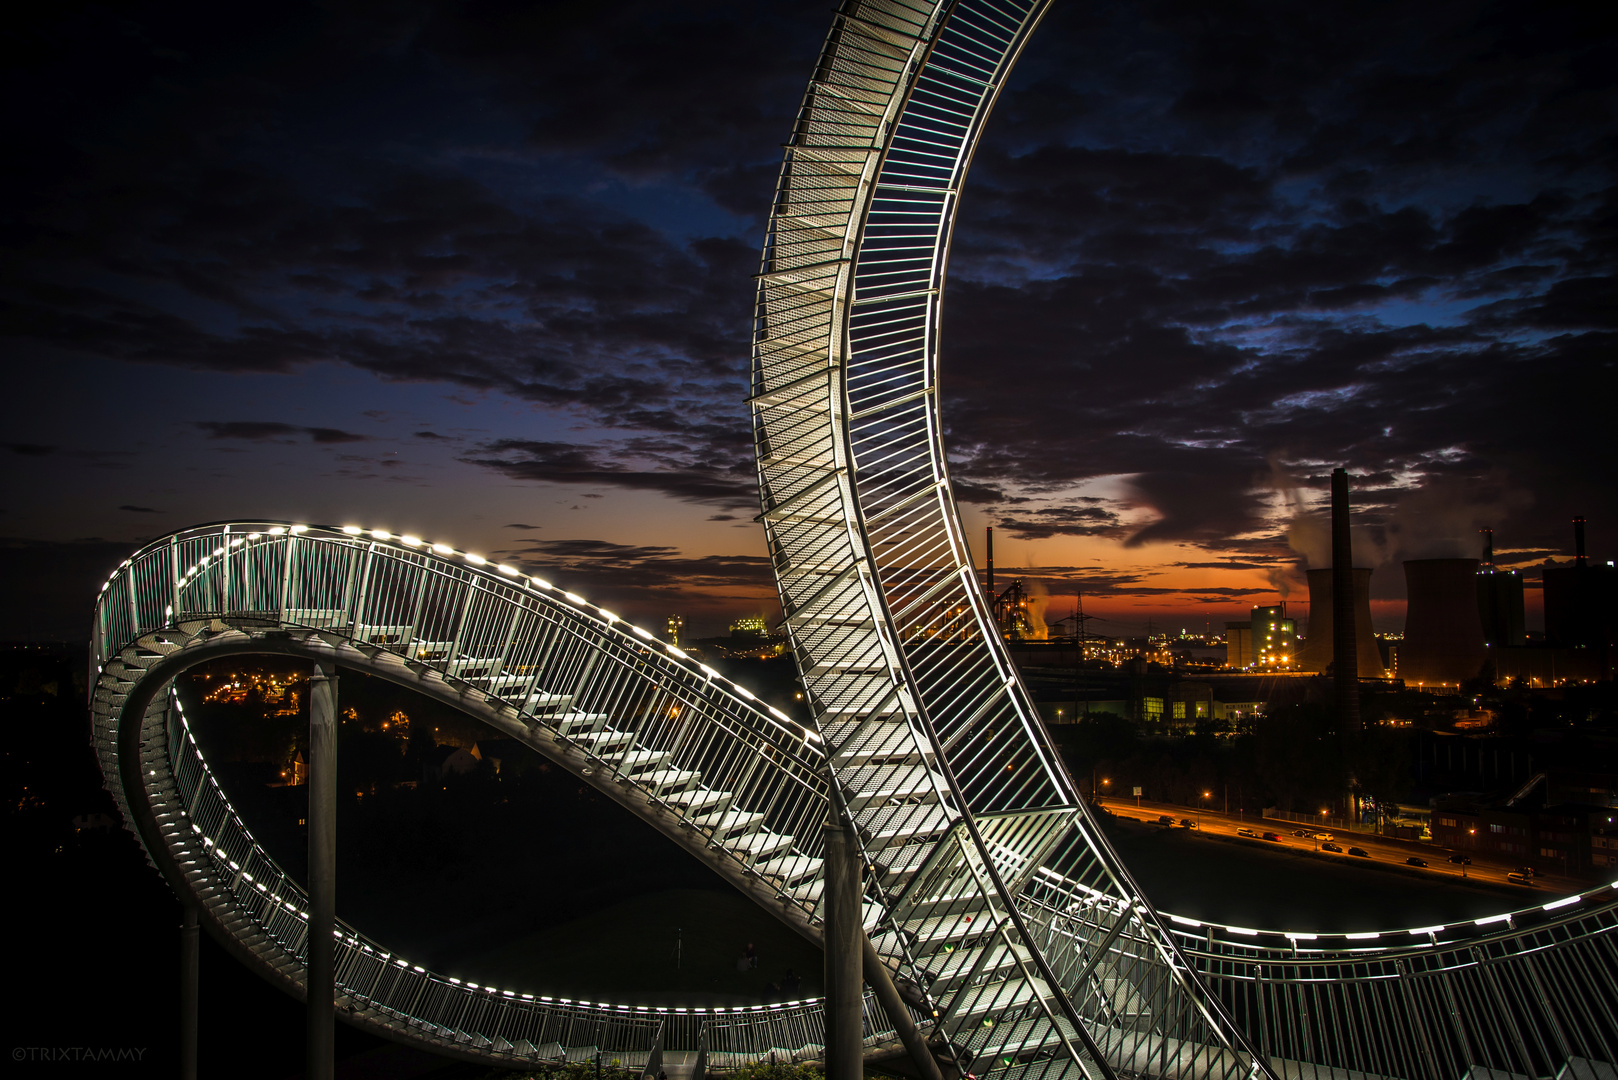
[(486, 279)]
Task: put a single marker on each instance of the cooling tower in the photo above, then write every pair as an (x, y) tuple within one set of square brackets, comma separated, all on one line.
[(1318, 647), (1443, 632)]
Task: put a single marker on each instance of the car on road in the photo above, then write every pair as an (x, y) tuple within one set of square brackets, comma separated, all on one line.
[(1525, 871), (1247, 832), (1273, 836), (1324, 836), (1165, 820), (1518, 878), (1463, 860), (1187, 823), (1415, 861), (1329, 846), (1300, 832), (1361, 852)]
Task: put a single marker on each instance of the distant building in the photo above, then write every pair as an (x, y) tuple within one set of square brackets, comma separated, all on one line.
[(1268, 641), (1275, 638), (498, 753), (445, 761), (672, 631), (1567, 838), (1500, 601), (1239, 645), (752, 626)]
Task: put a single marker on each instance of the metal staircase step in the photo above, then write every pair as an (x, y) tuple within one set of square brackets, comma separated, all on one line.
[(791, 869), (638, 760), (759, 845), (695, 800), (979, 1001), (667, 781), (728, 823), (606, 741), (869, 739), (866, 784), (884, 825), (950, 966)]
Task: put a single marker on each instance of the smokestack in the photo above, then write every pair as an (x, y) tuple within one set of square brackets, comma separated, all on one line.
[(991, 564), (1488, 548), (1578, 541), (1345, 661)]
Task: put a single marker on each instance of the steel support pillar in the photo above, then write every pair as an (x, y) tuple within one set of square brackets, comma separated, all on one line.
[(845, 1029), (887, 995), (189, 945), (322, 820)]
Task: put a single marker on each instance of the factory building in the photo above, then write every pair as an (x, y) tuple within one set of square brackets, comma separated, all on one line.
[(1267, 641), (1500, 601), (1317, 647), (1581, 604), (1443, 643)]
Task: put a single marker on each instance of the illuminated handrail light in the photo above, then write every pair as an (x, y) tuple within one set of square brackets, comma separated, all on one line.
[(1562, 903), (1425, 930)]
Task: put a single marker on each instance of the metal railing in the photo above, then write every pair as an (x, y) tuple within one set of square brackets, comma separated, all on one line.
[(736, 780), (901, 658)]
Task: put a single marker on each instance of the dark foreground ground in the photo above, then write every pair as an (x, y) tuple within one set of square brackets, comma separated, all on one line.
[(93, 954)]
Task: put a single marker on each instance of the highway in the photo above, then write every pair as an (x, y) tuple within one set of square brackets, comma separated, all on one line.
[(1378, 850)]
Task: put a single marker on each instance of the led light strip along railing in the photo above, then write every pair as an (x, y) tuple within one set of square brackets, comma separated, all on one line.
[(897, 649), (740, 787)]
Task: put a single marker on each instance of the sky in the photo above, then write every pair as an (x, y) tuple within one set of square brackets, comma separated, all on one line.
[(481, 272)]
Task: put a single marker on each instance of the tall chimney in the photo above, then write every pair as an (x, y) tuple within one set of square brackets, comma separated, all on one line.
[(1578, 541), (991, 564), (1345, 659), (1488, 548)]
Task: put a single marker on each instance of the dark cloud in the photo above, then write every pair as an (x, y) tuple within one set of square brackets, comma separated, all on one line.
[(274, 431), (1073, 519), (1200, 249), (140, 510), (697, 474), (1194, 247), (649, 581)]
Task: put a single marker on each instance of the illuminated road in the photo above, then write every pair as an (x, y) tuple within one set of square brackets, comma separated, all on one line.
[(1378, 850)]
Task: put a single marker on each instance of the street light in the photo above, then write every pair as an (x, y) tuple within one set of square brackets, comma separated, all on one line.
[(1200, 801)]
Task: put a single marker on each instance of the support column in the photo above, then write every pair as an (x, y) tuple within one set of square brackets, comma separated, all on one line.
[(189, 945), (887, 995), (322, 820), (845, 1030)]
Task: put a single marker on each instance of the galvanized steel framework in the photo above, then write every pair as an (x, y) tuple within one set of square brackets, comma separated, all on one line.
[(1021, 941)]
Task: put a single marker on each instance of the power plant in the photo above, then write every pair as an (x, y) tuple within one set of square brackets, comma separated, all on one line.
[(1579, 603), (1317, 654), (1443, 643), (1500, 601)]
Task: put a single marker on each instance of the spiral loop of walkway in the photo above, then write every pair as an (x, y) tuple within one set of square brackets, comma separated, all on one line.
[(1022, 943)]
